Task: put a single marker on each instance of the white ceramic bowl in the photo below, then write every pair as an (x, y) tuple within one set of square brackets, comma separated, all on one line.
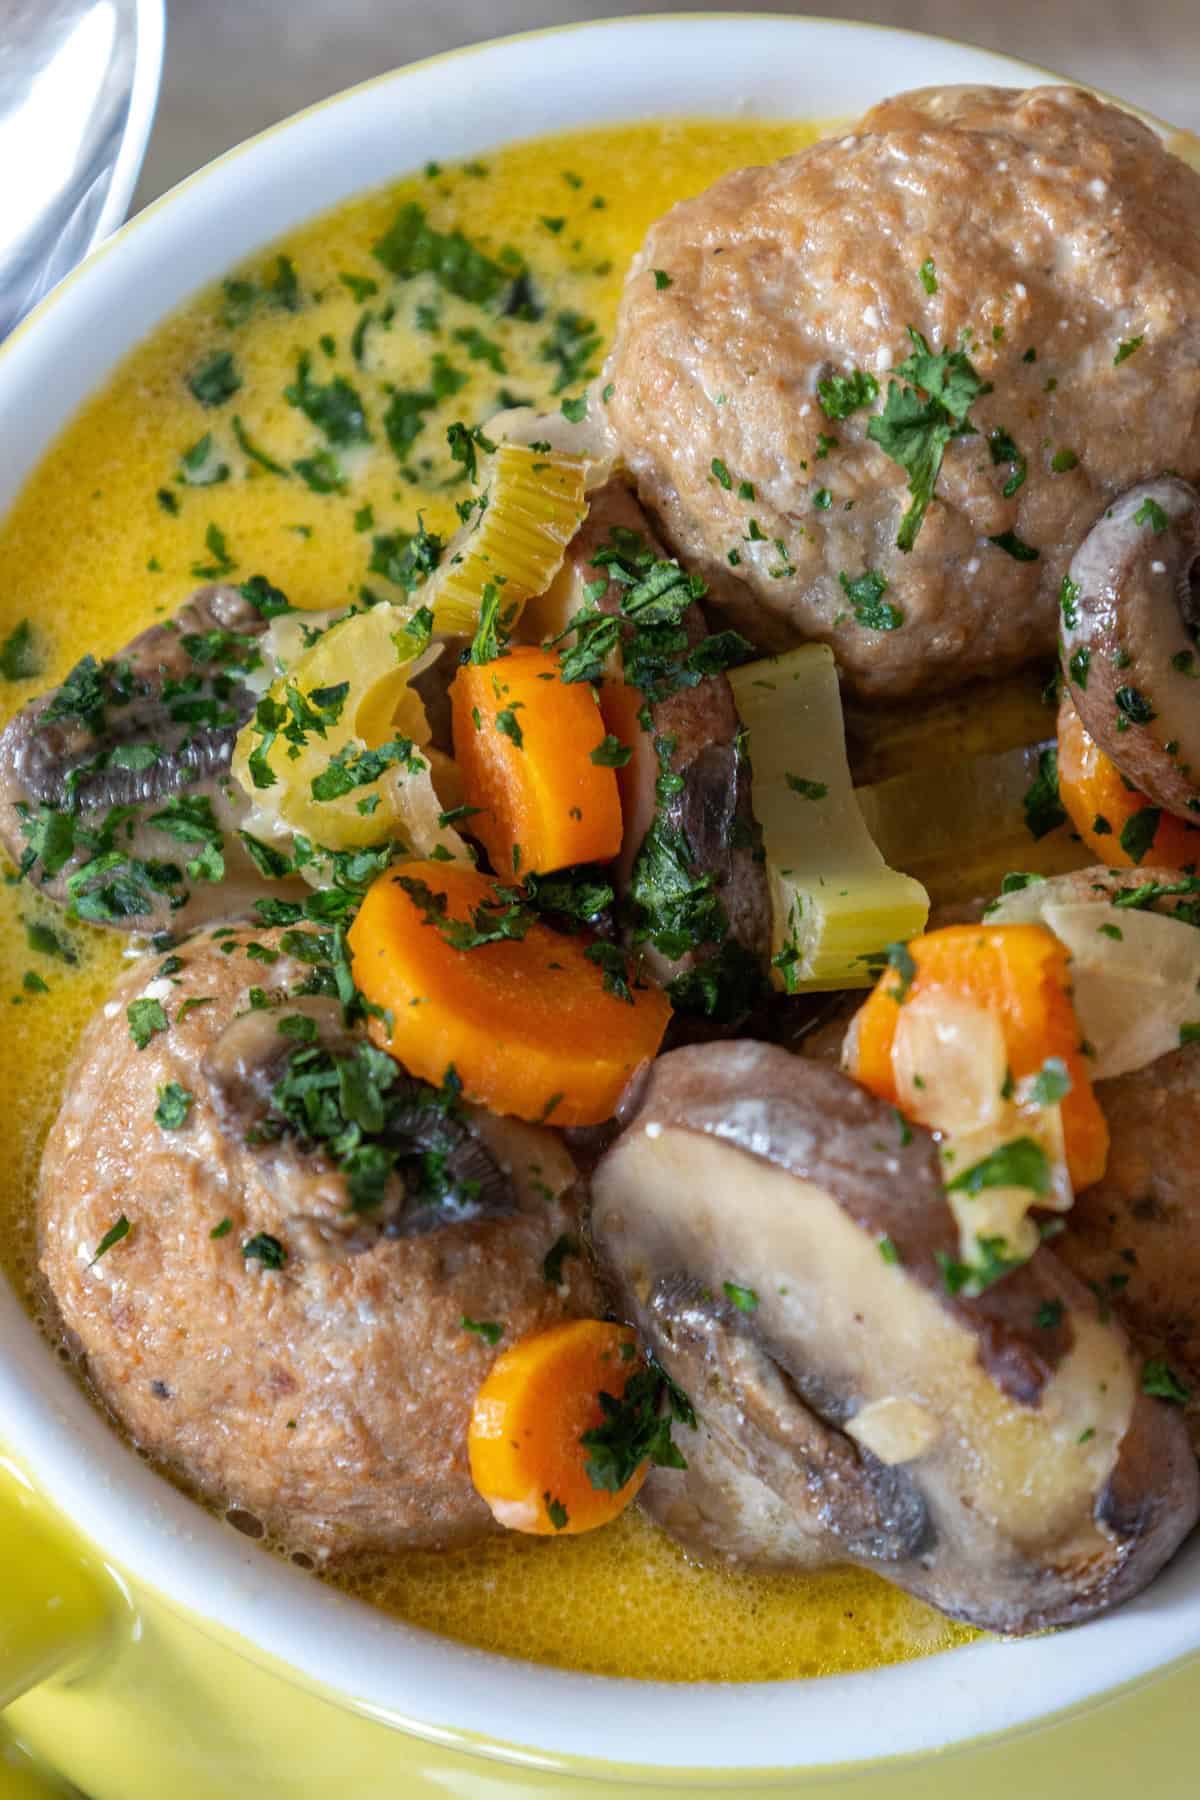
[(457, 107)]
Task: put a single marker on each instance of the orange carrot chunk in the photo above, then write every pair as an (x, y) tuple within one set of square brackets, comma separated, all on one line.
[(531, 750), (524, 1440), (1020, 974), (1121, 825), (527, 1023)]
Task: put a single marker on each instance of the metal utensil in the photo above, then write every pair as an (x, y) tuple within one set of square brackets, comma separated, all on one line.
[(78, 87)]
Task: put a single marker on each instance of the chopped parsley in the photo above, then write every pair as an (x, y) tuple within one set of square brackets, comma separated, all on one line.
[(927, 272), (146, 1017), (264, 1249), (744, 1298), (1160, 1381), (174, 1105), (1139, 832), (1004, 450), (1152, 514), (411, 247), (1044, 811), (335, 407), (611, 753), (1016, 547), (114, 1235), (20, 659), (1021, 1163), (865, 594), (807, 790), (215, 379), (636, 1429), (1126, 348), (841, 395), (487, 1329), (1052, 1082), (915, 431)]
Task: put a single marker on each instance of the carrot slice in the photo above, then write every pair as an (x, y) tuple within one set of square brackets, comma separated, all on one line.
[(524, 741), (1020, 974), (539, 1398), (528, 1025), (1121, 825)]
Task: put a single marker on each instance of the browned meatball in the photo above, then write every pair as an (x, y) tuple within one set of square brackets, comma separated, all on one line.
[(328, 1396), (1055, 230)]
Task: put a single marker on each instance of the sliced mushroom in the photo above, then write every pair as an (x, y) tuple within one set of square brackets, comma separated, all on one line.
[(442, 1170), (115, 794), (1130, 615), (778, 1235), (710, 808)]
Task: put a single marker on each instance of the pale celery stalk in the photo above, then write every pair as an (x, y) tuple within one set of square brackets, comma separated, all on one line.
[(961, 827), (835, 903), (532, 505)]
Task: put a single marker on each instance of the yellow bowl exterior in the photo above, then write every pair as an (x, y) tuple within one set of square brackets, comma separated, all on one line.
[(149, 1702)]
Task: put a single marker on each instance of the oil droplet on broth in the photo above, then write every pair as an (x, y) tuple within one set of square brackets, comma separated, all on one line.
[(92, 557)]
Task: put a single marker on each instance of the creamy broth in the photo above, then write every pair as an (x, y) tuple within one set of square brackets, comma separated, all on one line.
[(106, 537)]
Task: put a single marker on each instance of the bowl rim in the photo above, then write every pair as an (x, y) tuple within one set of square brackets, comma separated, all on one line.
[(401, 1675)]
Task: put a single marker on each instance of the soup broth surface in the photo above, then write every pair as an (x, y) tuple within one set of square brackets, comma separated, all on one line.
[(193, 464)]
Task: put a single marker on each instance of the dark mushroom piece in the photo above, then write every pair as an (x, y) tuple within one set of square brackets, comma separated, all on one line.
[(1130, 614), (777, 1235), (115, 793), (273, 1075), (699, 828)]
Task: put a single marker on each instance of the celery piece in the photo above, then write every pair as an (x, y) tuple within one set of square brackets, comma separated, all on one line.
[(960, 827), (531, 507), (835, 903)]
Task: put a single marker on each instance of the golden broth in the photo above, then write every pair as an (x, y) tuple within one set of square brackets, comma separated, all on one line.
[(91, 554)]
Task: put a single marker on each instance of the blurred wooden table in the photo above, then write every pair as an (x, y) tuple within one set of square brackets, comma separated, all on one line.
[(234, 66)]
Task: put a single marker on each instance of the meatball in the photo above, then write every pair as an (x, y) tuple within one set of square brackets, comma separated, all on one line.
[(1049, 237), (312, 1365)]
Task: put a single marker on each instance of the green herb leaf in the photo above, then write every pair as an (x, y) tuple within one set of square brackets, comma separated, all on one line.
[(1013, 546), (334, 407), (1152, 514), (20, 658), (1044, 811), (635, 1430), (1052, 1082), (215, 379), (915, 431), (265, 1249), (1126, 348), (1139, 831), (611, 753), (114, 1235), (865, 594), (841, 395), (744, 1298), (145, 1018), (807, 790), (1022, 1163), (1161, 1382), (487, 1329), (174, 1104)]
